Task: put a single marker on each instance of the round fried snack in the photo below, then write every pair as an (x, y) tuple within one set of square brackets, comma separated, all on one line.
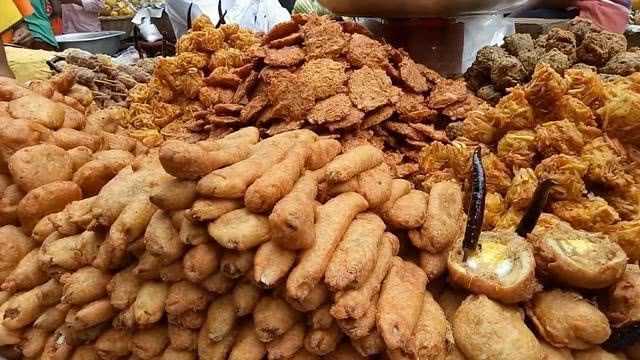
[(578, 258), (45, 200), (485, 329), (37, 165), (38, 109), (565, 319), (502, 267), (623, 301)]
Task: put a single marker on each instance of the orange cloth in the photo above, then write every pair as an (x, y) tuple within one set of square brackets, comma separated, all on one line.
[(24, 6)]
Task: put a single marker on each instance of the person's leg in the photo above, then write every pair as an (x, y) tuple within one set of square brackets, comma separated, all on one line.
[(5, 70)]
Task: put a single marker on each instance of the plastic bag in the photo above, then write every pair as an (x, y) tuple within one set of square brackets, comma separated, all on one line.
[(130, 56), (257, 15), (483, 30)]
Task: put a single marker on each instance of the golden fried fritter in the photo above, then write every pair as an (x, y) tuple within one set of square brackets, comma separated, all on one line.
[(446, 93), (412, 77), (558, 137), (605, 157), (563, 40), (371, 88), (619, 117), (566, 319), (598, 47), (626, 201), (586, 86), (284, 57), (325, 77), (478, 125), (517, 148), (323, 38), (331, 109), (523, 186), (545, 90), (507, 72), (291, 97), (513, 112), (567, 171), (364, 51), (495, 207), (497, 173), (627, 235)]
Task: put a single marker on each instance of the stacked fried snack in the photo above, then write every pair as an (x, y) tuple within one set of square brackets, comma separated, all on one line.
[(109, 82), (581, 45), (311, 72)]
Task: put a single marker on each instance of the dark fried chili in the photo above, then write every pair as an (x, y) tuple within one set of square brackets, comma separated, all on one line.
[(535, 208), (476, 205)]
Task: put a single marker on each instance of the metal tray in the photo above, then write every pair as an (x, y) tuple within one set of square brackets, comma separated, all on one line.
[(419, 8), (101, 42)]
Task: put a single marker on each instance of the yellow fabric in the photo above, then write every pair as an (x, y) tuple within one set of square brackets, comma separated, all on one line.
[(10, 14), (635, 5), (28, 64)]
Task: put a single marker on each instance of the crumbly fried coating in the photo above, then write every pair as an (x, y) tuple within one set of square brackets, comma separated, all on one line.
[(487, 56), (517, 44), (623, 64), (558, 137), (446, 93), (530, 59), (478, 126), (495, 207), (497, 173), (291, 97), (580, 27), (331, 109), (556, 59), (545, 89), (598, 47), (284, 57), (507, 72), (323, 38), (585, 85), (626, 201), (513, 112), (567, 171), (563, 40), (523, 186), (566, 319), (618, 117), (364, 51), (626, 234), (412, 77), (517, 148), (410, 102), (606, 157), (370, 89), (587, 213), (325, 77), (404, 285)]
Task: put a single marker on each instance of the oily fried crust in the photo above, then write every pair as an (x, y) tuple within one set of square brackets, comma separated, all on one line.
[(412, 77), (289, 40), (325, 77), (353, 118), (446, 93), (280, 30), (405, 284), (332, 109), (370, 89), (382, 114), (323, 38), (284, 57), (289, 94), (363, 51)]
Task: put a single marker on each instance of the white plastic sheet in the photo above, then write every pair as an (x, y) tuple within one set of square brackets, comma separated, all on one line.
[(483, 30)]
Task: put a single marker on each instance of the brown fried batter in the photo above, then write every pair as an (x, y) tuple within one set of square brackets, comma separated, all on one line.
[(567, 171), (446, 93), (410, 74), (353, 118), (598, 47), (556, 59), (289, 40), (623, 64), (460, 110), (586, 213), (290, 96), (563, 40), (506, 72), (332, 109), (323, 38), (382, 114), (404, 130), (558, 137), (410, 102), (325, 77), (280, 30), (284, 57), (370, 88), (363, 51)]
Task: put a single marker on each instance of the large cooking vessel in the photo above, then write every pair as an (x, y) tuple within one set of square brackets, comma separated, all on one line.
[(420, 8), (100, 42)]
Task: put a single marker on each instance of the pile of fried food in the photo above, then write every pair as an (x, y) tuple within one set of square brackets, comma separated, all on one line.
[(581, 45), (290, 247), (311, 72), (109, 82)]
